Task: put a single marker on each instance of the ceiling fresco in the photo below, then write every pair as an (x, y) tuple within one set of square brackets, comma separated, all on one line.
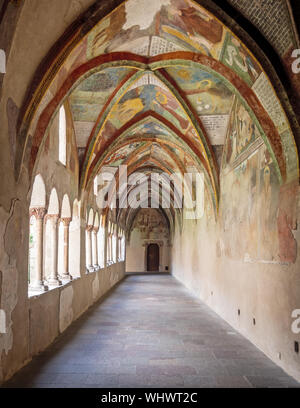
[(165, 84), (168, 25), (89, 98)]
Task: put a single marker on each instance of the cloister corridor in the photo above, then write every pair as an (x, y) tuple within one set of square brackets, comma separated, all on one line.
[(149, 193), (151, 332)]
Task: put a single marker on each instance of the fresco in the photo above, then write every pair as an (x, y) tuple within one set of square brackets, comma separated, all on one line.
[(90, 96), (236, 57), (290, 154), (268, 207), (145, 98), (118, 157), (207, 93), (168, 25), (141, 100), (252, 217), (209, 96), (149, 127), (242, 132), (151, 224)]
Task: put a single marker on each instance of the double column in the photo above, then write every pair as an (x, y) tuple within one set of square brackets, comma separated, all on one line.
[(89, 249), (65, 276), (95, 248), (53, 280), (36, 279)]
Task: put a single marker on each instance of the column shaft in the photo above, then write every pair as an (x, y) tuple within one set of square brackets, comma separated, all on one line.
[(66, 277), (36, 281), (95, 248), (53, 279)]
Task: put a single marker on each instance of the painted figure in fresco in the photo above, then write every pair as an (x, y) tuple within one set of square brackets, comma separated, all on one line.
[(126, 110), (219, 93), (268, 208), (111, 26), (194, 22), (170, 105), (242, 132), (246, 129), (237, 55), (200, 24)]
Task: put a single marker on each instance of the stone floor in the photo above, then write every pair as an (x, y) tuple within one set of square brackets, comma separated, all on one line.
[(150, 332)]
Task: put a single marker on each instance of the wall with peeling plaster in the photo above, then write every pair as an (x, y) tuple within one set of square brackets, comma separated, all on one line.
[(27, 330), (245, 263)]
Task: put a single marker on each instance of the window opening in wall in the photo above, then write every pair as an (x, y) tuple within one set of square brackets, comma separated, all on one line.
[(62, 136)]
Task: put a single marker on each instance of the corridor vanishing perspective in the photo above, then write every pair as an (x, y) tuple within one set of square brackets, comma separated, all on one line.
[(149, 193), (150, 332)]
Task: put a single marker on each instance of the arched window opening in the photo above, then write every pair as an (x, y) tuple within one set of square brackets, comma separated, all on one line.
[(101, 245), (37, 213), (109, 244), (62, 136), (32, 249), (60, 262), (47, 249), (114, 245), (75, 245), (88, 241)]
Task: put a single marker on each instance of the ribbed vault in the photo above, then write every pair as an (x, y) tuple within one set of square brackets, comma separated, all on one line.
[(164, 91)]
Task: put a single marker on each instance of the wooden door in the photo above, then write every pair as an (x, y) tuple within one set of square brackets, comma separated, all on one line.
[(153, 257)]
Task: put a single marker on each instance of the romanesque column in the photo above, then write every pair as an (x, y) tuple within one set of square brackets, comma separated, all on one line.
[(66, 277), (95, 248), (36, 281), (53, 278), (89, 254)]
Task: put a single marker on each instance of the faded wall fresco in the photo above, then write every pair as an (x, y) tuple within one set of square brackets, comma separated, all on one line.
[(260, 218)]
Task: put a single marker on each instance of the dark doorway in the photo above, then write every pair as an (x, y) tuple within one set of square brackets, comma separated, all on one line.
[(153, 257)]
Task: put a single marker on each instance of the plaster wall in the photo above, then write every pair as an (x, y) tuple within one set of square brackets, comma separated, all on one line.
[(247, 269)]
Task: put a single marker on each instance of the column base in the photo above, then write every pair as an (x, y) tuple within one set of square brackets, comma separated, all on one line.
[(54, 283), (90, 269), (96, 267), (65, 279), (38, 287)]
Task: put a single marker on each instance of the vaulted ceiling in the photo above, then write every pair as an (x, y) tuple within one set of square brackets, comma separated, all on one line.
[(159, 86)]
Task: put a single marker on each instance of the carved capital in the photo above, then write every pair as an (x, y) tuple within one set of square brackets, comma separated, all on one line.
[(38, 213), (89, 228), (53, 218), (65, 221), (95, 230)]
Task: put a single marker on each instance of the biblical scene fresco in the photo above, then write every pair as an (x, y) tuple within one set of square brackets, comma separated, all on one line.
[(256, 181), (90, 96), (207, 93), (242, 133), (209, 96), (118, 157), (236, 57), (149, 127), (168, 25), (290, 154), (146, 98), (151, 224), (141, 100)]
